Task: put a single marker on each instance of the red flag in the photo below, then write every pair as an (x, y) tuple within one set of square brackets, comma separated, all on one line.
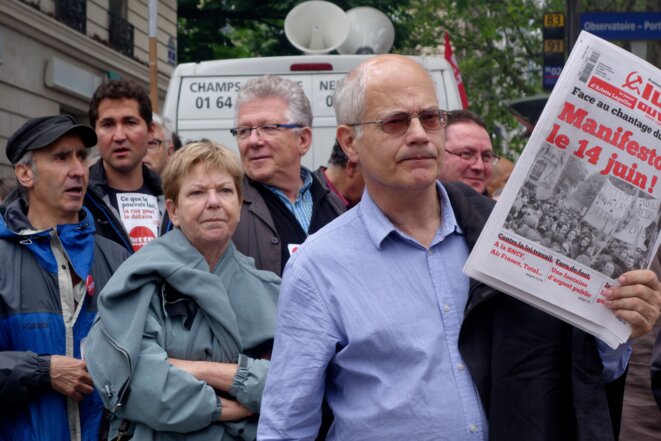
[(449, 55)]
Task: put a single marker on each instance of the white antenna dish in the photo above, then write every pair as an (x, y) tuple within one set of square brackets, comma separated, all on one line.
[(371, 32), (316, 27)]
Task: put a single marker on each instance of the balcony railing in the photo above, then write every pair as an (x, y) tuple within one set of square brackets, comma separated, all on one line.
[(120, 34), (72, 13)]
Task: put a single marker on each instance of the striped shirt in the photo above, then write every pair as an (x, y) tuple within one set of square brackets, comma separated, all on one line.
[(302, 207)]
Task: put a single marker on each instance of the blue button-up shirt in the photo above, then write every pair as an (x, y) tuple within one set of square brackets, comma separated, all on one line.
[(370, 318)]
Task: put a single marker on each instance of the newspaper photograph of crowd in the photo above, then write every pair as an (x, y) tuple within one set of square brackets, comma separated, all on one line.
[(599, 221)]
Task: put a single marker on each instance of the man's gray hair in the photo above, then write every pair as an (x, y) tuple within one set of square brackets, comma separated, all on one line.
[(298, 105), (349, 98), (166, 125), (27, 160)]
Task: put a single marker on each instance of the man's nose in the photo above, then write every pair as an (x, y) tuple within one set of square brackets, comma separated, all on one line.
[(78, 167), (416, 131)]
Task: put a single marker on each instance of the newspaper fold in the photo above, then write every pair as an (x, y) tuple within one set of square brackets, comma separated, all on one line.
[(583, 203)]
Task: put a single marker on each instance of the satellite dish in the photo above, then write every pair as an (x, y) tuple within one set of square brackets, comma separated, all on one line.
[(371, 32), (316, 27)]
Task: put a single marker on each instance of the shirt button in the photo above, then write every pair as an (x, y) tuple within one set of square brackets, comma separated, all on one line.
[(274, 240), (446, 308), (473, 428), (460, 366), (429, 252)]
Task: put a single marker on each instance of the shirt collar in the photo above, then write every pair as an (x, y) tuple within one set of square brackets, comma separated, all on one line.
[(306, 177), (379, 226)]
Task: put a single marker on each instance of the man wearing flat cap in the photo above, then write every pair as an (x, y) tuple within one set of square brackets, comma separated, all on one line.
[(53, 267)]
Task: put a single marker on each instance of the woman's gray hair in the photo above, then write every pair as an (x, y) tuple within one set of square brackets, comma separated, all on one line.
[(349, 98), (298, 105)]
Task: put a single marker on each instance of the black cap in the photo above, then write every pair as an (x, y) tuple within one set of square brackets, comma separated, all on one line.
[(41, 132)]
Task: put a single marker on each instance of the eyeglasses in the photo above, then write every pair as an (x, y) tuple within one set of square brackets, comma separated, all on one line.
[(471, 157), (399, 123), (265, 130), (154, 144)]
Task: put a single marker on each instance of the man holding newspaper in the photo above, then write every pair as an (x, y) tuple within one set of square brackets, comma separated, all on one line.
[(403, 345)]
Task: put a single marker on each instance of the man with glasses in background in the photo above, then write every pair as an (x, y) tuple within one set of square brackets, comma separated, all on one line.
[(124, 195), (469, 155), (160, 147), (283, 201), (376, 316)]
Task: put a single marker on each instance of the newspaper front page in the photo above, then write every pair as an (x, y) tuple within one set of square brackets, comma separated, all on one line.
[(583, 203)]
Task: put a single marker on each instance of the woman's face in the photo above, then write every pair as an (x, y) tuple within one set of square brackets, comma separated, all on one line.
[(571, 235), (207, 208), (609, 268)]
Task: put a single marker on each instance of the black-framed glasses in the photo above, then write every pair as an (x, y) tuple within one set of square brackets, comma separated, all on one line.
[(154, 144), (265, 130), (471, 157), (399, 123)]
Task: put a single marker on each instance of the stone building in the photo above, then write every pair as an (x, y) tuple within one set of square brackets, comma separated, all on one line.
[(54, 53)]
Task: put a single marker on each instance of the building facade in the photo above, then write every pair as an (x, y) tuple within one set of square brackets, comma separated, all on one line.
[(54, 53)]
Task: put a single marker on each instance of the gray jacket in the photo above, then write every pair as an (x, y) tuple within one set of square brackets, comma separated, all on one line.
[(163, 302)]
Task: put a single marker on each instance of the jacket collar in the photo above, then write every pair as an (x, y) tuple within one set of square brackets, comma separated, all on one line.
[(472, 211), (98, 181), (255, 203), (76, 239)]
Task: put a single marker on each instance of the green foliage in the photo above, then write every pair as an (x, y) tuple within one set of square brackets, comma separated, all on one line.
[(498, 44)]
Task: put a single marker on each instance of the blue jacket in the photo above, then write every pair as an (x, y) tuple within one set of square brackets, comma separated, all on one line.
[(32, 327)]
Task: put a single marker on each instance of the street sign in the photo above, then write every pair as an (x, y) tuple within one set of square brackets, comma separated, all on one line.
[(623, 25), (554, 20), (554, 48)]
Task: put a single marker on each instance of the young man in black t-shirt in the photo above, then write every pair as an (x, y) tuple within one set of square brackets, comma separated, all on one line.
[(124, 196)]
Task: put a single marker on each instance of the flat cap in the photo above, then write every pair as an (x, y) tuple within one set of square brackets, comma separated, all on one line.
[(41, 132)]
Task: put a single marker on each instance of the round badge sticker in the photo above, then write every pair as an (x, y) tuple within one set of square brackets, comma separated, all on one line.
[(140, 236), (89, 284)]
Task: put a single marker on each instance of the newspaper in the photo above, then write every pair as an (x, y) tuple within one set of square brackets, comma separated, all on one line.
[(583, 203)]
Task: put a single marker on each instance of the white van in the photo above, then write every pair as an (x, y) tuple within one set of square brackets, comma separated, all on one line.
[(201, 97)]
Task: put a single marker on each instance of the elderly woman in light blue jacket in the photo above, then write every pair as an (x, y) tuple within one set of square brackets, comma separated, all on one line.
[(181, 345)]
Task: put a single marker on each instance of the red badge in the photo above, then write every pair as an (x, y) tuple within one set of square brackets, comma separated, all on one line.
[(140, 236), (89, 283)]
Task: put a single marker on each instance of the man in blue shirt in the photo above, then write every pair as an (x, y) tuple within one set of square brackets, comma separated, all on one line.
[(376, 316)]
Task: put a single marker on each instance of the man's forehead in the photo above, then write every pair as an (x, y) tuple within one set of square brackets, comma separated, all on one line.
[(265, 109), (469, 134), (122, 108), (385, 100)]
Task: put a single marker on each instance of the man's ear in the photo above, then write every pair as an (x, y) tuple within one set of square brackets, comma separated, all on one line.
[(25, 175), (346, 136), (304, 140)]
